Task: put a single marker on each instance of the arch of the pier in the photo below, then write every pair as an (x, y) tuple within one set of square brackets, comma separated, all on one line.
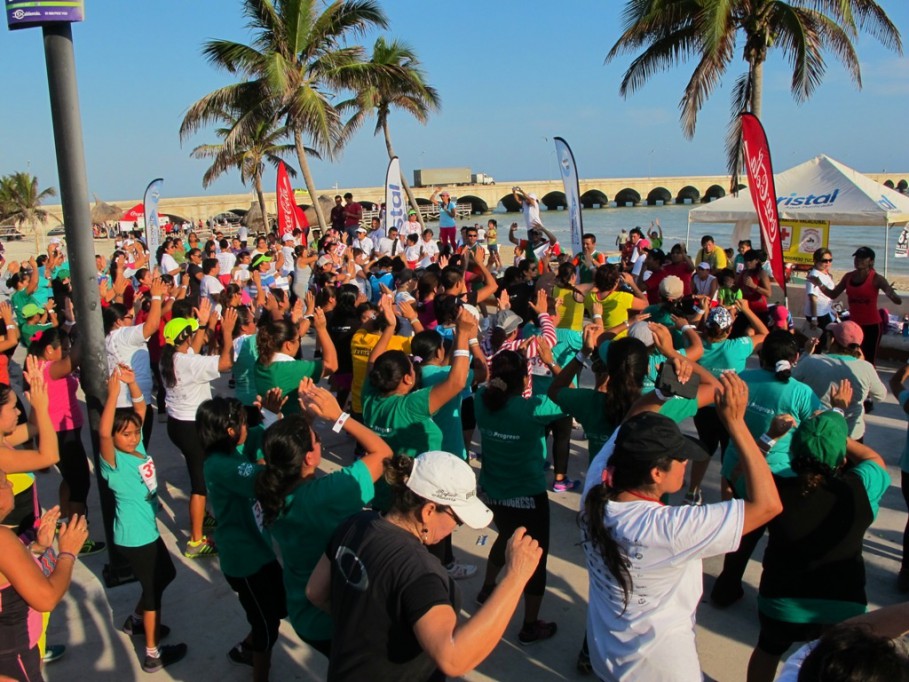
[(594, 198), (627, 197), (688, 194), (554, 200), (477, 205), (714, 192), (658, 196), (510, 204)]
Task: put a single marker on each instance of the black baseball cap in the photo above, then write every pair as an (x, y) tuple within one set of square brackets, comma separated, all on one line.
[(864, 252), (648, 436)]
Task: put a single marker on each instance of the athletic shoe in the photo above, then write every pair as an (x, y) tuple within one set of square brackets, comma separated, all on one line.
[(91, 547), (566, 485), (136, 628), (209, 522), (200, 550), (53, 652), (694, 499), (239, 655), (458, 571), (484, 593), (168, 654), (536, 632)]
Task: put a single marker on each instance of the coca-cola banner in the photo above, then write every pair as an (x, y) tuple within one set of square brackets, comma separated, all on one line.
[(763, 192), (288, 217)]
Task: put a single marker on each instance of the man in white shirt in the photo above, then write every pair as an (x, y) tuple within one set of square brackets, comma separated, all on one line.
[(211, 286), (530, 207), (390, 245), (287, 248), (363, 242)]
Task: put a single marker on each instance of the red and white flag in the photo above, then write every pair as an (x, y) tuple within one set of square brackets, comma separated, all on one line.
[(290, 217), (763, 193)]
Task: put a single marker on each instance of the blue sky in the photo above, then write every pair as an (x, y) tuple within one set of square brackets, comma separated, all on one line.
[(511, 76)]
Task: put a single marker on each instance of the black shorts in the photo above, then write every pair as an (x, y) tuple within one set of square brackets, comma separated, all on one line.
[(262, 598), (532, 512), (153, 568), (185, 436), (73, 464), (468, 416)]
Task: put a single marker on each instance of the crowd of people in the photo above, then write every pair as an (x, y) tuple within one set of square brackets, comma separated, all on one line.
[(458, 382)]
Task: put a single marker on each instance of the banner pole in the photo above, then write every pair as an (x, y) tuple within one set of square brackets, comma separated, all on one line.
[(886, 248)]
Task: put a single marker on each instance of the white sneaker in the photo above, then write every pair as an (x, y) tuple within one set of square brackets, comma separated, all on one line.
[(458, 571)]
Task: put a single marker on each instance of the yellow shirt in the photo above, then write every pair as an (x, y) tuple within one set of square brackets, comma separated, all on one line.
[(717, 259), (361, 346), (615, 308), (572, 311)]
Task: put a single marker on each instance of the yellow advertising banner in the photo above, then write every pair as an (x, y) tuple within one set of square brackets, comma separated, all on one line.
[(801, 238)]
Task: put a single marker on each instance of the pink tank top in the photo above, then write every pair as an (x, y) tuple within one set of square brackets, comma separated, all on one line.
[(863, 300), (64, 409)]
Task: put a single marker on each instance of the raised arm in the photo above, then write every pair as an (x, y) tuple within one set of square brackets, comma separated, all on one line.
[(329, 353), (228, 322), (48, 453), (489, 281), (511, 232), (456, 380), (760, 329), (763, 501), (153, 321), (564, 378), (888, 289), (387, 310)]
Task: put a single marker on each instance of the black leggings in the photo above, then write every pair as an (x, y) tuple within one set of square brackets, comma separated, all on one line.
[(734, 563), (871, 340), (73, 464), (710, 429), (154, 570), (186, 437), (262, 598), (561, 444), (778, 635), (533, 514)]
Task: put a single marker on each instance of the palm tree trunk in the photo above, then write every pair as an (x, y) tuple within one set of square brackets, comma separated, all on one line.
[(257, 182), (410, 196), (757, 87), (307, 178), (34, 227)]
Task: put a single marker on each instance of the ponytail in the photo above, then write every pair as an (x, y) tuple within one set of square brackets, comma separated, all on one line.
[(779, 353), (285, 446), (593, 524), (271, 337), (167, 366), (508, 371)]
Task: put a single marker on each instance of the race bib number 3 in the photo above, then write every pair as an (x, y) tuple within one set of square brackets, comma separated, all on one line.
[(149, 477)]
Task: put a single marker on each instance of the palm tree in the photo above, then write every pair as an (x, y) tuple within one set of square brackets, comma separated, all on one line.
[(20, 201), (398, 83), (296, 63), (248, 154), (673, 30)]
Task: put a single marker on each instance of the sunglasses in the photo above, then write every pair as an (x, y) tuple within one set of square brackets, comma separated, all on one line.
[(826, 260), (453, 516)]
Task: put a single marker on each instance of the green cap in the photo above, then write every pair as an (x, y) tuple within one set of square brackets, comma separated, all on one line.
[(823, 437), (62, 274), (31, 309), (174, 328)]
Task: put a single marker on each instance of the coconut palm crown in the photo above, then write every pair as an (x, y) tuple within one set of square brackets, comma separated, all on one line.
[(296, 63)]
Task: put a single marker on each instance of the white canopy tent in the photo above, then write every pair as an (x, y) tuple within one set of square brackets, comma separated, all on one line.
[(819, 189)]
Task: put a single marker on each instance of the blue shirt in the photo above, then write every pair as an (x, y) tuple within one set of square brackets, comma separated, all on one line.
[(446, 220)]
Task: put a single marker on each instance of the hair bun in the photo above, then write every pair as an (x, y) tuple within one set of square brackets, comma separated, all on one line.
[(782, 366)]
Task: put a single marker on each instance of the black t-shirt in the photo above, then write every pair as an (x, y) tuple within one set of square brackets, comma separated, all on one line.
[(341, 331), (383, 580), (337, 217), (192, 273)]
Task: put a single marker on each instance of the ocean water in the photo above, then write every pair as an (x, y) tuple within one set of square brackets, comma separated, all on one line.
[(607, 223)]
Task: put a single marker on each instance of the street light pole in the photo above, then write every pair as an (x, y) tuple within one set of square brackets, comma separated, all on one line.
[(67, 123)]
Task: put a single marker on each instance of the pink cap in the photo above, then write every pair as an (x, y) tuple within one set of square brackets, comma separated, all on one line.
[(846, 333)]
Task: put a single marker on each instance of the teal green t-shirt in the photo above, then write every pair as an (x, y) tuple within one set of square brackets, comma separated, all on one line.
[(660, 315), (402, 421), (728, 354), (19, 300), (588, 406), (514, 445), (243, 545), (448, 419), (768, 397), (246, 355), (312, 513), (135, 486), (286, 376)]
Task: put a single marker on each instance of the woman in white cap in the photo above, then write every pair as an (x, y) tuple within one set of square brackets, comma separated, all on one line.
[(187, 377), (645, 558), (395, 609)]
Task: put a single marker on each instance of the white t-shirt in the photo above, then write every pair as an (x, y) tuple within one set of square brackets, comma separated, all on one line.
[(129, 346), (653, 640), (210, 287), (226, 260), (412, 253), (531, 213), (823, 304), (384, 246), (430, 249), (408, 228), (289, 257), (194, 376), (701, 287), (365, 245), (168, 265)]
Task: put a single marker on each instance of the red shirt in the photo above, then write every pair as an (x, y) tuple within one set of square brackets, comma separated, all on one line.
[(683, 271)]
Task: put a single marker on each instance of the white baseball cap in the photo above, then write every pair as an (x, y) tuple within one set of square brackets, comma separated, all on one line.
[(288, 237), (446, 479)]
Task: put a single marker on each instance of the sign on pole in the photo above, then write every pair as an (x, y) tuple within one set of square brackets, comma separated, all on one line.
[(29, 13), (152, 224), (569, 171), (394, 196)]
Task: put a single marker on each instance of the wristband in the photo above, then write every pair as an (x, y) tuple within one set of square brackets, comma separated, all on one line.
[(473, 342), (461, 353), (268, 417), (838, 410), (686, 327), (156, 298), (340, 423), (138, 399), (660, 395), (412, 319), (598, 317), (11, 324), (580, 357), (767, 440), (60, 555)]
